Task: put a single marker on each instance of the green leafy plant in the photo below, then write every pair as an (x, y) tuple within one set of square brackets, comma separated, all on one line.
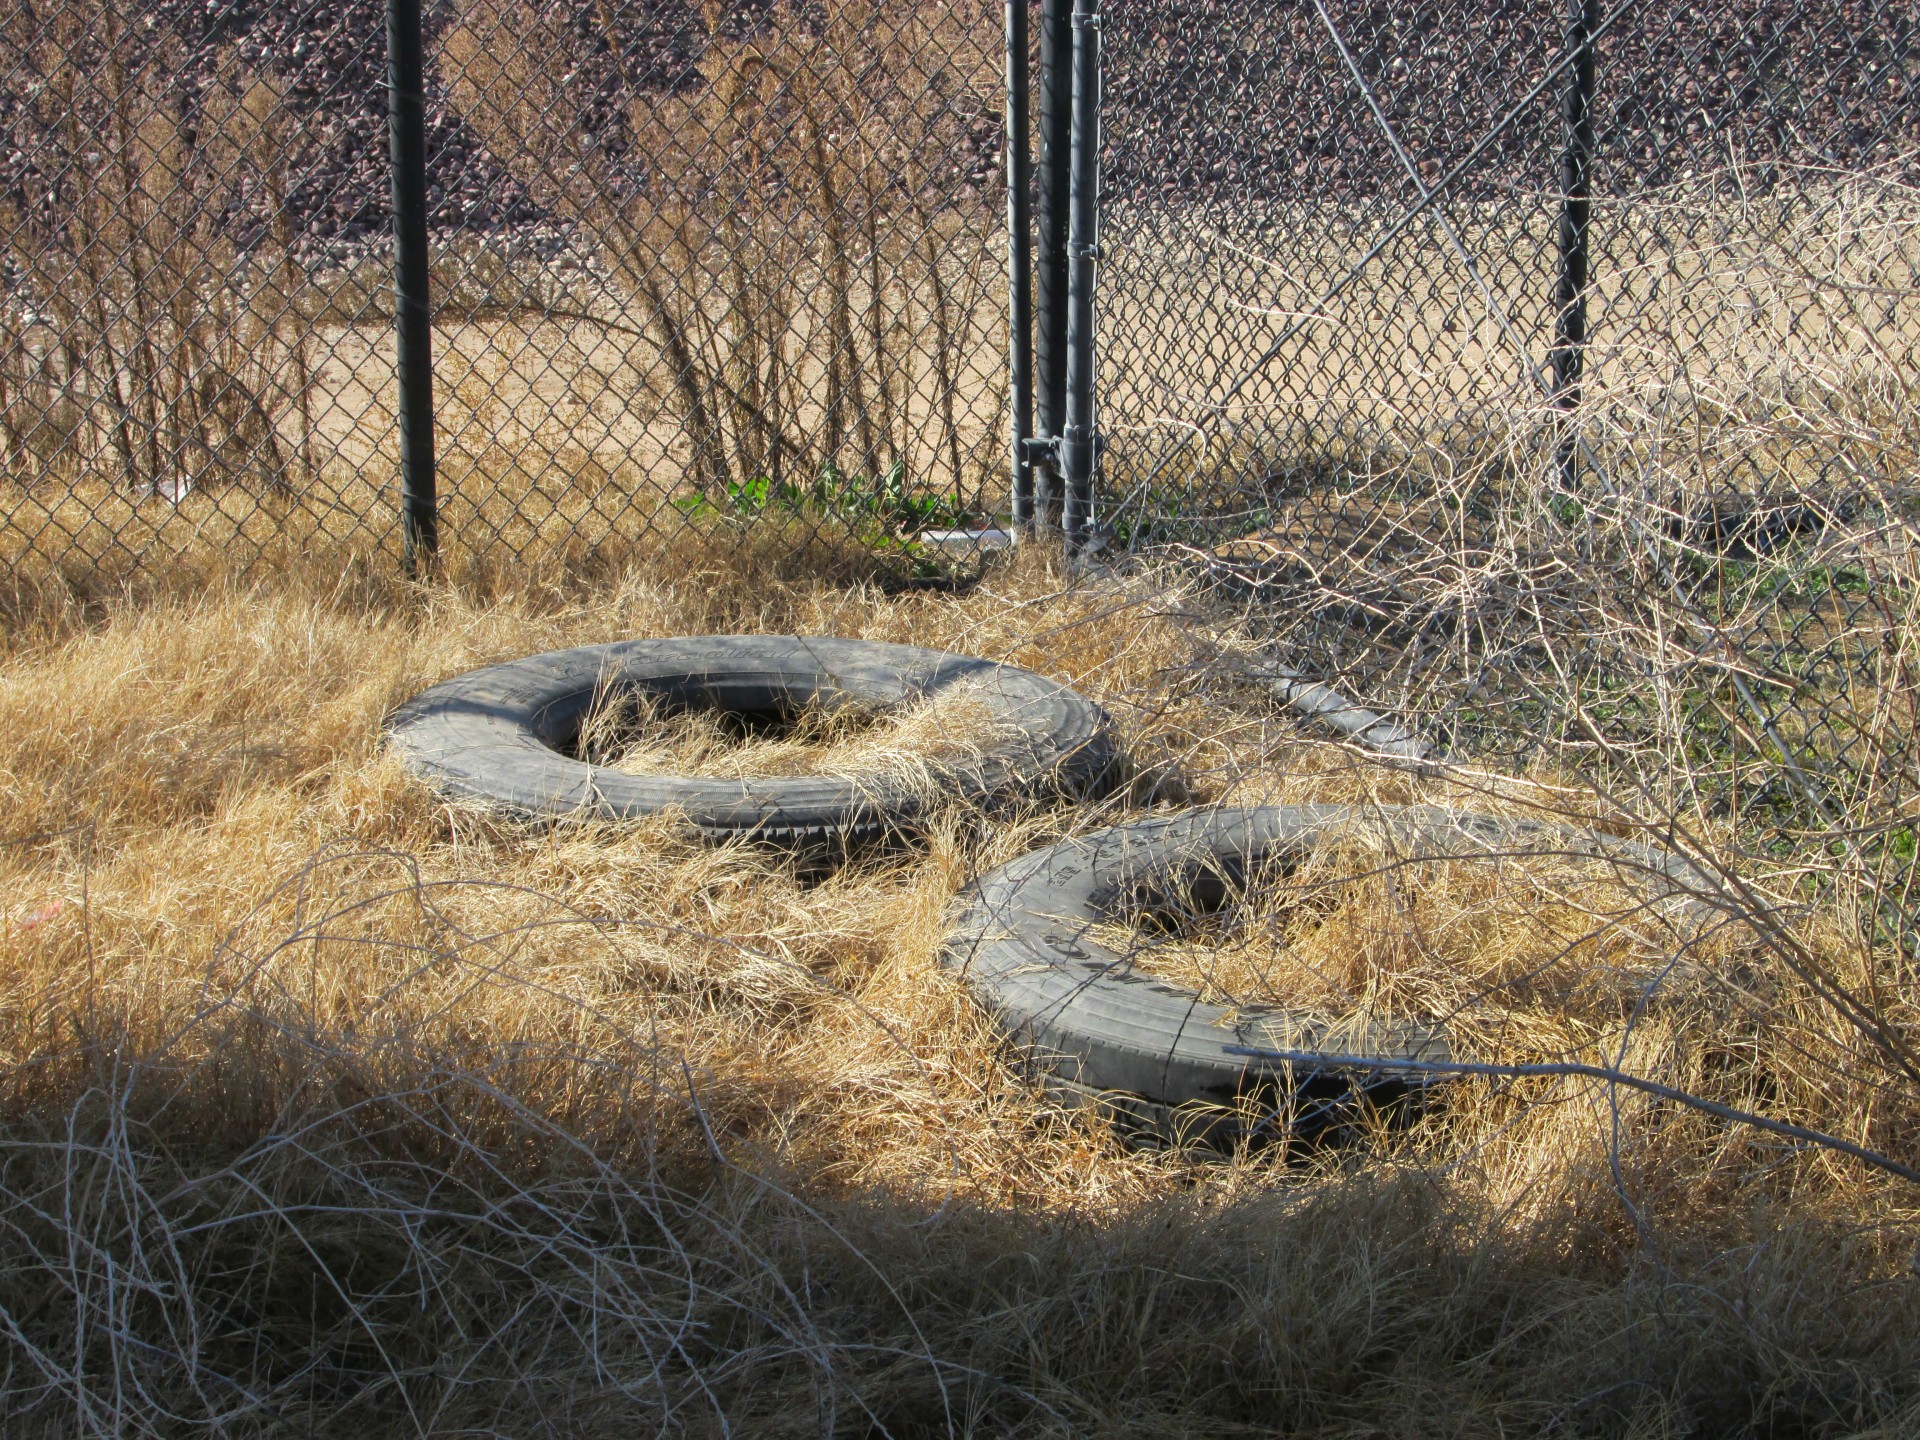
[(882, 506)]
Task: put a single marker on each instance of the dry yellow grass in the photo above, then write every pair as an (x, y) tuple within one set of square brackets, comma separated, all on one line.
[(324, 1106), (647, 738), (1524, 951)]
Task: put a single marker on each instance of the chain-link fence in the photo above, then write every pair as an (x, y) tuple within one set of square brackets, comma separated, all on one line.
[(1539, 375), (687, 266), (1543, 373)]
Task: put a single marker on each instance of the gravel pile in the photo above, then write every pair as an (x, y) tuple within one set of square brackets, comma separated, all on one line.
[(1218, 102), (1207, 101)]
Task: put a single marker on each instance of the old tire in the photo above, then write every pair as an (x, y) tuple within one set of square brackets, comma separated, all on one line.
[(503, 737), (1167, 1068)]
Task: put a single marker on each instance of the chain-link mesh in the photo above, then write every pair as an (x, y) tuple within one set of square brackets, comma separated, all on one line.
[(1540, 374), (741, 267), (1337, 236), (691, 266)]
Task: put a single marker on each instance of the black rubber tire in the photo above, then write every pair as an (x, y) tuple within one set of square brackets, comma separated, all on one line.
[(502, 737), (1096, 1030)]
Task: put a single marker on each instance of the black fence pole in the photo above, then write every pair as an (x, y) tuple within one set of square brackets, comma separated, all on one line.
[(1077, 439), (1568, 359), (413, 335), (1051, 207), (1019, 265)]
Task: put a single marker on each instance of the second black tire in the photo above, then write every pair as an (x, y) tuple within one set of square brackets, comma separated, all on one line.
[(1095, 1028), (505, 737)]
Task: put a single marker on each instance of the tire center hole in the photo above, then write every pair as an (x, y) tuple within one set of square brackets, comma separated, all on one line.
[(1348, 926), (644, 733)]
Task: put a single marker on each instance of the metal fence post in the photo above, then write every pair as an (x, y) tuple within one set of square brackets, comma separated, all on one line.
[(1077, 440), (1051, 207), (1576, 187), (1019, 266), (413, 335)]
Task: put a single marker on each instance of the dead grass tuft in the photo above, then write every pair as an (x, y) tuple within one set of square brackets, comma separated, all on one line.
[(1523, 951), (643, 736)]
